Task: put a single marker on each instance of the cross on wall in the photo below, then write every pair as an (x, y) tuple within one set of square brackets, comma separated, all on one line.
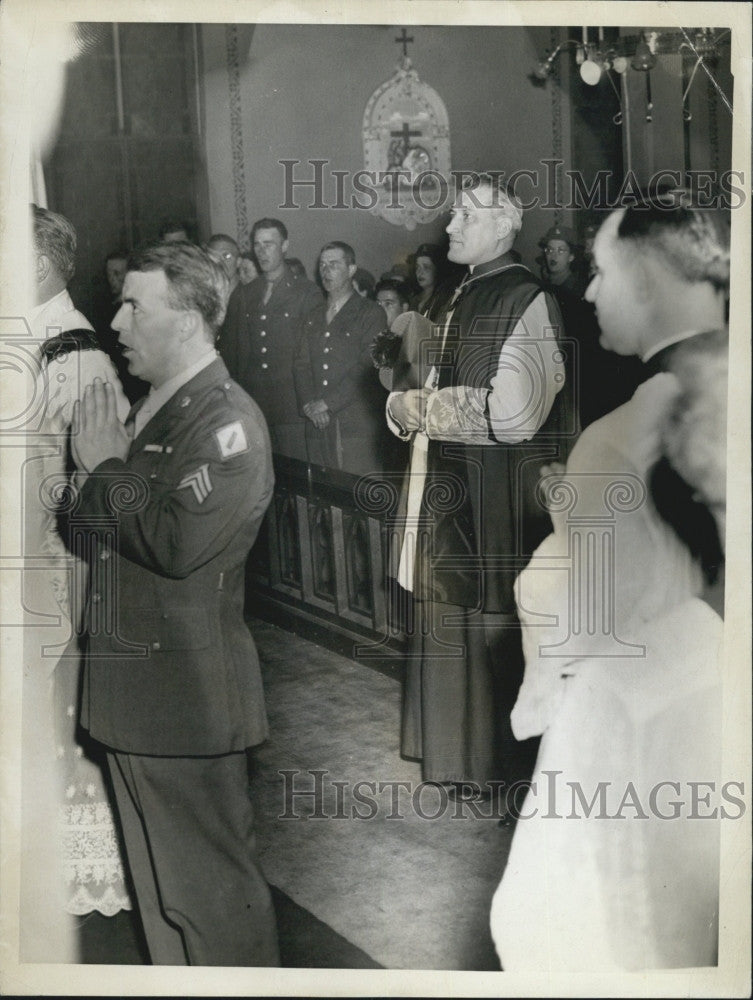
[(400, 145), (406, 135), (403, 40)]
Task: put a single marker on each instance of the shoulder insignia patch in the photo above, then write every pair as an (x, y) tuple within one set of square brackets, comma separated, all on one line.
[(231, 439), (199, 482)]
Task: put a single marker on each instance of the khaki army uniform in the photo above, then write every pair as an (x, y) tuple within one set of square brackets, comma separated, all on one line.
[(172, 684), (258, 342), (334, 363)]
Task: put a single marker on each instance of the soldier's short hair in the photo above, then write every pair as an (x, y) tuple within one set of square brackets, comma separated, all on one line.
[(219, 238), (348, 251), (55, 237), (269, 224), (194, 280)]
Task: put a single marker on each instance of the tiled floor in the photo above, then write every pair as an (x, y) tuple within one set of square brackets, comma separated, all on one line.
[(411, 892), (398, 889)]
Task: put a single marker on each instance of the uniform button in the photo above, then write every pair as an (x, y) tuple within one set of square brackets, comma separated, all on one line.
[(325, 367), (96, 598), (104, 556), (263, 350), (155, 645), (227, 385), (263, 333), (263, 316), (286, 315), (326, 333), (326, 350), (325, 382), (265, 365)]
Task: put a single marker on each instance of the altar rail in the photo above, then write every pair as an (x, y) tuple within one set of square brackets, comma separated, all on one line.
[(321, 557)]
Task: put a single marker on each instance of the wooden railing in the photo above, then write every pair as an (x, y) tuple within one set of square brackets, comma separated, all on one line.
[(321, 558)]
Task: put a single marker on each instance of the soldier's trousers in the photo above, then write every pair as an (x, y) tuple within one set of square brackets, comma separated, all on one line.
[(189, 837)]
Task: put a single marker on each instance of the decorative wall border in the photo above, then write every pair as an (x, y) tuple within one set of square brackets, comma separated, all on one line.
[(236, 132), (555, 93)]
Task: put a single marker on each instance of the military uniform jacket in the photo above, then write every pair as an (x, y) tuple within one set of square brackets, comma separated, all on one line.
[(334, 363), (258, 341), (172, 669)]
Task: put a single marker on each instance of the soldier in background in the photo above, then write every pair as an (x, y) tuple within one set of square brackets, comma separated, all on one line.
[(260, 333), (337, 388)]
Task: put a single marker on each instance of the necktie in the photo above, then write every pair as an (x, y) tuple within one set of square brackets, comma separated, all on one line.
[(130, 422)]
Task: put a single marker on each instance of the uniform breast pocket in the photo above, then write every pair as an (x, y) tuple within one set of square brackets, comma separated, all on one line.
[(167, 630), (153, 464)]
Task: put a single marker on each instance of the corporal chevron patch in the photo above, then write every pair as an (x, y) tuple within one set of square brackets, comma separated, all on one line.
[(231, 439), (199, 482)]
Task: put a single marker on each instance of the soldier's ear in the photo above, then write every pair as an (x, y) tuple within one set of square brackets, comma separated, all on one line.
[(190, 324)]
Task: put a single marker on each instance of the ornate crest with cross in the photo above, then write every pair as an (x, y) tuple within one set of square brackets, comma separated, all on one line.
[(406, 143)]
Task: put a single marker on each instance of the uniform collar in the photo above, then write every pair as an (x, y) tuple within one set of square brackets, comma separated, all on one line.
[(260, 282), (158, 397), (180, 391)]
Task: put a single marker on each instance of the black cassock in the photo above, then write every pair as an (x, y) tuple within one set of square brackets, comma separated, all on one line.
[(480, 521)]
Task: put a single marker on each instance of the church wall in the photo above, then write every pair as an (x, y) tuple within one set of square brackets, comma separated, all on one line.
[(299, 92)]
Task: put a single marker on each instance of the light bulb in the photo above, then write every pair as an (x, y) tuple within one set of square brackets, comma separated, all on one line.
[(590, 72)]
